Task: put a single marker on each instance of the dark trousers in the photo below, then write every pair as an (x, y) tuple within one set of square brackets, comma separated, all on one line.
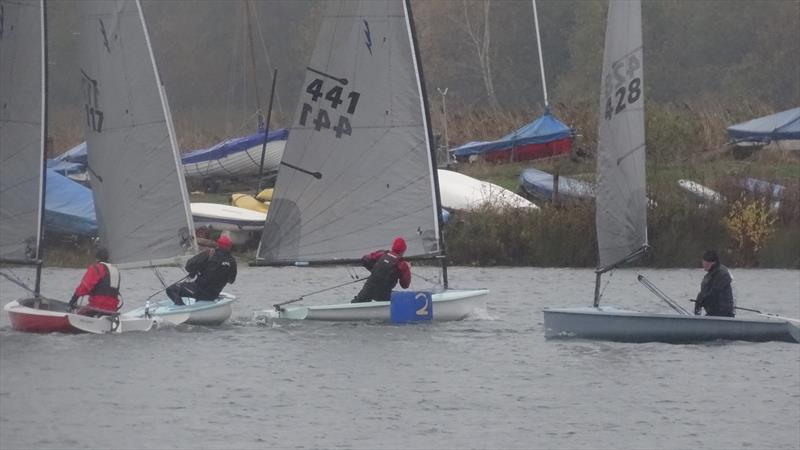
[(186, 289)]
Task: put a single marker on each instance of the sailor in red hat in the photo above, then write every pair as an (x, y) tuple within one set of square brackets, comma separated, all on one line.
[(386, 267), (213, 269)]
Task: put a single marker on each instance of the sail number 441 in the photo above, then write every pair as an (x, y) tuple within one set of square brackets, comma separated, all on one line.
[(322, 119)]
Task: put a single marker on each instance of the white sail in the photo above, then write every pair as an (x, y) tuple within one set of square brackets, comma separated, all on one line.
[(140, 194), (621, 216), (22, 116), (357, 170)]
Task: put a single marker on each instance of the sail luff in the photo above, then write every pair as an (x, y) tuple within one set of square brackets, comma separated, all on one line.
[(433, 167), (170, 129), (621, 213)]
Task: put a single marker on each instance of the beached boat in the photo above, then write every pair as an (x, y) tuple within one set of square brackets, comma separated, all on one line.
[(621, 217), (538, 184), (359, 167)]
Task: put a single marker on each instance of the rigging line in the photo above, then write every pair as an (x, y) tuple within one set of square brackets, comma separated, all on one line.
[(267, 58), (277, 306), (16, 280), (248, 6)]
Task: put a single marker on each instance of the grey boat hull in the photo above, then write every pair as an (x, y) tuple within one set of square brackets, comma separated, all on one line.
[(612, 324)]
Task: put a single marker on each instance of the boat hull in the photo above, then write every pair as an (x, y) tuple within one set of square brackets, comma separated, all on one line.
[(447, 306), (195, 313), (52, 317), (611, 324)]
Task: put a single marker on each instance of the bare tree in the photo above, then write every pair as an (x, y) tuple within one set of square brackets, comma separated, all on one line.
[(479, 33)]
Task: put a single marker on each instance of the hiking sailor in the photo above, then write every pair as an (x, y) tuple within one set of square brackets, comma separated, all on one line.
[(386, 269), (213, 268)]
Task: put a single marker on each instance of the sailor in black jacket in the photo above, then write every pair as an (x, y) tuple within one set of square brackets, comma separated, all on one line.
[(716, 294), (213, 268)]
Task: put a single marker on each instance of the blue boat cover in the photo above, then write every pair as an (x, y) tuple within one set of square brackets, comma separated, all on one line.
[(778, 126), (233, 145), (542, 130), (69, 207), (540, 184), (72, 161)]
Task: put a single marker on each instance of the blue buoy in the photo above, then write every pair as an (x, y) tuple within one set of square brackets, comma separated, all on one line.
[(411, 306)]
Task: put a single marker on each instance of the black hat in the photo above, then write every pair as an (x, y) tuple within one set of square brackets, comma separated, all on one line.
[(101, 254), (711, 256)]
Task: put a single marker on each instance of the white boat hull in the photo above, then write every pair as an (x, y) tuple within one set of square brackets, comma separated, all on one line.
[(612, 324), (447, 306), (193, 313), (226, 217), (242, 163)]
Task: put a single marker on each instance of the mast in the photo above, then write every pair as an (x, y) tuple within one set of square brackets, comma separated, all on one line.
[(266, 131), (428, 137), (43, 183), (541, 59)]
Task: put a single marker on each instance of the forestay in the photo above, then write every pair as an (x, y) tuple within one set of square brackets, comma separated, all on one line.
[(621, 216), (360, 126), (22, 114), (140, 195)]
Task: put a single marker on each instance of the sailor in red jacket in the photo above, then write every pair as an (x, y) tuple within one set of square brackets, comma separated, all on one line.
[(101, 284), (386, 269)]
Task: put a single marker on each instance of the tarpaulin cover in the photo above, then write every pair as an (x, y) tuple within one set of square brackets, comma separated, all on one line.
[(69, 207), (71, 161), (778, 126), (542, 130), (233, 145)]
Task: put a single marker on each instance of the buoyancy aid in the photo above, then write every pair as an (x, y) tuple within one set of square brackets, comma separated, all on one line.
[(109, 284), (382, 280)]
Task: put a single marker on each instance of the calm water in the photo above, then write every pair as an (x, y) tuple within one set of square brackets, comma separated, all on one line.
[(491, 381)]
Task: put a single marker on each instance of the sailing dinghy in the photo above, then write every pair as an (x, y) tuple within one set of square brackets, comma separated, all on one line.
[(133, 159), (23, 120), (359, 168), (621, 217)]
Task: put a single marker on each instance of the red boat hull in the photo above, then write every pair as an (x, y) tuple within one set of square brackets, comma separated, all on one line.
[(38, 320)]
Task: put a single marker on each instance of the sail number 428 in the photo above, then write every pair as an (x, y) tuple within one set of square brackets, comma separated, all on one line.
[(622, 85)]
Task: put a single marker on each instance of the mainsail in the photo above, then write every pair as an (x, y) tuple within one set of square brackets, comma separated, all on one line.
[(22, 115), (621, 216), (140, 194), (357, 170)]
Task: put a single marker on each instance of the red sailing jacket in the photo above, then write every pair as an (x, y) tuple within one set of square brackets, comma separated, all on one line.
[(97, 284)]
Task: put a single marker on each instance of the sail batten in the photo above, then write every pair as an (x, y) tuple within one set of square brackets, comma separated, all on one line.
[(621, 215), (22, 129), (360, 123), (136, 175)]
